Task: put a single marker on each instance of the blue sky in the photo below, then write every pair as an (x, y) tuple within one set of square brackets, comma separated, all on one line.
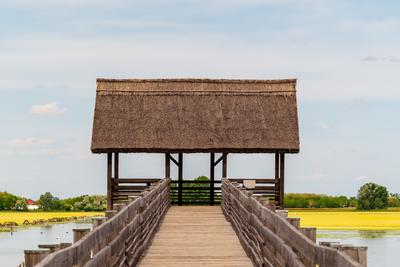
[(345, 55)]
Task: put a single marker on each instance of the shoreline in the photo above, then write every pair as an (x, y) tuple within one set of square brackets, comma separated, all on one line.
[(20, 219), (348, 220)]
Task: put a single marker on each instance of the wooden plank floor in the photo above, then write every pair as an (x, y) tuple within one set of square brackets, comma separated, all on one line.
[(195, 236)]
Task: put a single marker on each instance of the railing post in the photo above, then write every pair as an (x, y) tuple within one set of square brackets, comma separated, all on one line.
[(97, 221), (33, 257), (79, 233), (212, 169)]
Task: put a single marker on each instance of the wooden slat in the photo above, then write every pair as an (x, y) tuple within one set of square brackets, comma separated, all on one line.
[(195, 236), (138, 180), (130, 187), (195, 182), (258, 180)]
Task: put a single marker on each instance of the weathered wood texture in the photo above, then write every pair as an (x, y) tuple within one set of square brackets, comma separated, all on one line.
[(271, 240), (122, 188), (195, 236), (122, 239)]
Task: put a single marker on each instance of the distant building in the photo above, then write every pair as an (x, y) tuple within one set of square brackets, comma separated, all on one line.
[(31, 205)]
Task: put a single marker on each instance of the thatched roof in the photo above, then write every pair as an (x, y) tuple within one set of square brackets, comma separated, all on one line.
[(195, 115)]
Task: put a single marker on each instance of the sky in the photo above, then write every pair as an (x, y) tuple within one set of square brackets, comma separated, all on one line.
[(344, 53)]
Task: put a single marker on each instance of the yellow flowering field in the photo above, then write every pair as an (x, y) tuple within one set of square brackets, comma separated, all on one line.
[(348, 220), (20, 217)]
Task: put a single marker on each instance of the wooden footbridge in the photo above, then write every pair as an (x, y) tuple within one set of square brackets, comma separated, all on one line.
[(158, 222), (243, 231)]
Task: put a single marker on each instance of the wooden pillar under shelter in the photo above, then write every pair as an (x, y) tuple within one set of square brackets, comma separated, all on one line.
[(282, 180), (212, 176), (180, 178), (109, 182), (277, 181), (224, 165), (116, 177), (167, 165)]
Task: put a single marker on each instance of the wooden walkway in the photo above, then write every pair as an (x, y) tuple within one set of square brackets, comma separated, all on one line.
[(195, 236)]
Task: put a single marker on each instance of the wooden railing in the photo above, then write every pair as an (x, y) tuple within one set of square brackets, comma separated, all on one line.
[(122, 239), (124, 187), (196, 192), (269, 239)]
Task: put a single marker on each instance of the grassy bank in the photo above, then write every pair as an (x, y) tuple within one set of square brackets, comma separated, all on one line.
[(348, 219), (20, 217)]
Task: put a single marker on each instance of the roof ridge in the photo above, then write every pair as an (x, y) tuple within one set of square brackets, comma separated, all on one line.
[(199, 80)]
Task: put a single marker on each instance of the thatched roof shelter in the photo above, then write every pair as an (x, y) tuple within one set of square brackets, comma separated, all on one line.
[(195, 115)]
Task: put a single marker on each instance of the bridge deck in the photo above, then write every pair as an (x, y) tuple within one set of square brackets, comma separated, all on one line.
[(195, 236)]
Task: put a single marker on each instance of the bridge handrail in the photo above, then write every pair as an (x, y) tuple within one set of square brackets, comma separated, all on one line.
[(271, 240), (122, 238)]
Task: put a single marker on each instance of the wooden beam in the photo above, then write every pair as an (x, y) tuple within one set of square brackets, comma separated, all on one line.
[(224, 165), (116, 173), (180, 178), (277, 180), (219, 160), (167, 165), (109, 182), (282, 181), (174, 160), (116, 167), (212, 170)]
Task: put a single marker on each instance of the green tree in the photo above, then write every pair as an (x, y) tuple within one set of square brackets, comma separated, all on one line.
[(372, 196), (21, 204), (394, 200), (47, 201), (7, 201)]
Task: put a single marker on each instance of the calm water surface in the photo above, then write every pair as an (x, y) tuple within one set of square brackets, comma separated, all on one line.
[(12, 245), (383, 246)]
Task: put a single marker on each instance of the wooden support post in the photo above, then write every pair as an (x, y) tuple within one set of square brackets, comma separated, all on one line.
[(109, 182), (282, 181), (277, 181), (97, 221), (79, 233), (51, 247), (224, 165), (180, 178), (359, 254), (110, 213), (310, 232), (33, 257), (294, 221), (116, 175), (167, 165), (212, 176)]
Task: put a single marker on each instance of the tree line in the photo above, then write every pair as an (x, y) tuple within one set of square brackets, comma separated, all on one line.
[(370, 196), (48, 202)]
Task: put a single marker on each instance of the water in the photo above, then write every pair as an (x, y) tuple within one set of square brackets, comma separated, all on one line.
[(383, 246), (12, 245)]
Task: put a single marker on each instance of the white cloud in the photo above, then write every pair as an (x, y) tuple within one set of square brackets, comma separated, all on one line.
[(32, 142), (48, 109), (323, 73)]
